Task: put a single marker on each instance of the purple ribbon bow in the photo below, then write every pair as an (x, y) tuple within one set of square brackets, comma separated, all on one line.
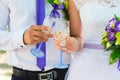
[(55, 12)]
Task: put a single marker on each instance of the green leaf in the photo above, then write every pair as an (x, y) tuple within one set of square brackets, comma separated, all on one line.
[(105, 34), (57, 2), (50, 1), (65, 10), (104, 40), (66, 4), (117, 35), (118, 55), (114, 56), (104, 44), (66, 16), (116, 17), (119, 19), (2, 51)]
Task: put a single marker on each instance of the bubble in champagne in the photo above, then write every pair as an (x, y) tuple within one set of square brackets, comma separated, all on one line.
[(61, 36)]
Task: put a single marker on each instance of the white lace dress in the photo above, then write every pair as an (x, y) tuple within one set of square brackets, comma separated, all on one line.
[(93, 64)]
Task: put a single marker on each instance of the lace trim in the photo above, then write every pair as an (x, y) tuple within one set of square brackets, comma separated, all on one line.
[(109, 3)]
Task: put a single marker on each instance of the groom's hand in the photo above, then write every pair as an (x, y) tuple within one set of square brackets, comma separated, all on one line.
[(36, 34)]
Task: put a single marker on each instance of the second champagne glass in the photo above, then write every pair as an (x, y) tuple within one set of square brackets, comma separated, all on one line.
[(61, 31)]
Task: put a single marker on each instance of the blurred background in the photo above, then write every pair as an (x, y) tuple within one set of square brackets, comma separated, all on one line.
[(5, 70)]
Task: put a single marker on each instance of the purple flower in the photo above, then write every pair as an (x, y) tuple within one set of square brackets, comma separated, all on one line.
[(117, 26), (118, 65), (112, 21), (61, 7), (110, 24), (111, 35)]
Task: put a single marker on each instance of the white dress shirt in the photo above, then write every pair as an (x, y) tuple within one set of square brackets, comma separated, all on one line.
[(15, 17)]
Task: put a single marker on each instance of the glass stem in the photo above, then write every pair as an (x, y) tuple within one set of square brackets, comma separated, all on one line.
[(61, 55), (40, 45)]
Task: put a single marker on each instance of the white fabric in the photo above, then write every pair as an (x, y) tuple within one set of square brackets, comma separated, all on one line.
[(15, 17), (93, 64)]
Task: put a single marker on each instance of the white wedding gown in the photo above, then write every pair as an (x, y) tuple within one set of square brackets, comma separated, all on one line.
[(93, 64)]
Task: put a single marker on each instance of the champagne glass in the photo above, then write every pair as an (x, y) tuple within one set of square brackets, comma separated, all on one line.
[(61, 30), (61, 35)]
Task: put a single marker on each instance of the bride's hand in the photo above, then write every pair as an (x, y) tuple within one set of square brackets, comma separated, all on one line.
[(70, 46)]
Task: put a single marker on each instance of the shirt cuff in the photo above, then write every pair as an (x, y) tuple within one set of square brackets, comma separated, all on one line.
[(18, 39)]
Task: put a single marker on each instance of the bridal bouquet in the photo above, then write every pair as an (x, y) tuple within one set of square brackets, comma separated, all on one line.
[(111, 40)]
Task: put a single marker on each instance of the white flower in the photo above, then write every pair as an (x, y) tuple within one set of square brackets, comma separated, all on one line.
[(61, 1)]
